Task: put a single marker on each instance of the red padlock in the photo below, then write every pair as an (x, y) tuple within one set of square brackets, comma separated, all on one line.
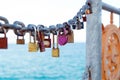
[(3, 41), (84, 18), (40, 38)]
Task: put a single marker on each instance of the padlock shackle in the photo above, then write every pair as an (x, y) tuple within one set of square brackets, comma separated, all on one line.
[(54, 41), (39, 33), (35, 37), (18, 37), (2, 31), (47, 34), (35, 30), (30, 36), (5, 31), (62, 30)]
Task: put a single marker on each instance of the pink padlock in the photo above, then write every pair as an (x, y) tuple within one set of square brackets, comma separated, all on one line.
[(62, 37)]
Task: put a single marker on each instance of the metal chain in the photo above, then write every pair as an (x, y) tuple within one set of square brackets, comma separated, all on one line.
[(43, 28)]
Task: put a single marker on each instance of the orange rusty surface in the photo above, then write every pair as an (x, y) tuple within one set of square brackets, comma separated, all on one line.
[(110, 52)]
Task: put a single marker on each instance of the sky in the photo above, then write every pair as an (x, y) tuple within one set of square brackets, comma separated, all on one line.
[(47, 12)]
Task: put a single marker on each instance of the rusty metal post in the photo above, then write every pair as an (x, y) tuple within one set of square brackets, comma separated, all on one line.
[(93, 41)]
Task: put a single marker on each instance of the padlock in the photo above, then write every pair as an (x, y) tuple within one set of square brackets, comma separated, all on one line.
[(79, 24), (89, 10), (71, 37), (20, 41), (71, 22), (67, 27), (84, 18), (73, 26), (47, 41), (3, 41), (40, 37), (33, 46), (69, 33), (55, 51), (62, 37), (82, 25)]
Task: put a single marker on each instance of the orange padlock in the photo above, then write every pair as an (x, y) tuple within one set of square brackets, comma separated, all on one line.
[(71, 37), (20, 41)]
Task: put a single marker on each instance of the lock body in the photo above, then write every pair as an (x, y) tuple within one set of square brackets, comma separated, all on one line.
[(33, 47), (55, 52), (41, 46), (3, 43), (62, 37), (47, 43), (71, 37), (20, 41)]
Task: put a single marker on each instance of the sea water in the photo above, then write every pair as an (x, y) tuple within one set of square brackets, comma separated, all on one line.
[(16, 63)]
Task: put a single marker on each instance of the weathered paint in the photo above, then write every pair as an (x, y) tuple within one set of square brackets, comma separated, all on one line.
[(93, 40)]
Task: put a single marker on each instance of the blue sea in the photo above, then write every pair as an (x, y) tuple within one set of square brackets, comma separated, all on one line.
[(16, 63)]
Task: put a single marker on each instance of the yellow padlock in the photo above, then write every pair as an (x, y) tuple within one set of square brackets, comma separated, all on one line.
[(55, 51), (33, 46)]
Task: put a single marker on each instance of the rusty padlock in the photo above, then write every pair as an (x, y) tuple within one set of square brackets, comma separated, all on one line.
[(3, 41), (71, 37), (84, 18), (40, 38), (89, 10), (20, 41)]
